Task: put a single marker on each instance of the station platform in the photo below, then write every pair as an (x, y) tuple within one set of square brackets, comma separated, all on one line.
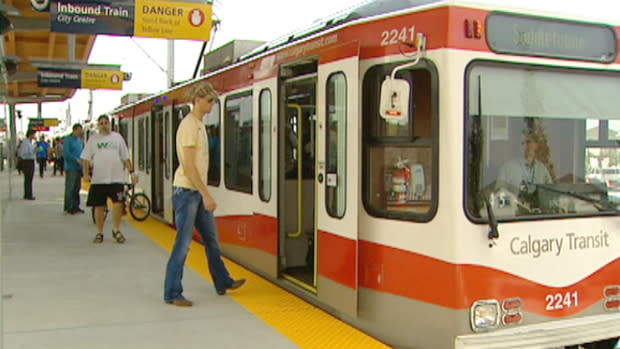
[(60, 290)]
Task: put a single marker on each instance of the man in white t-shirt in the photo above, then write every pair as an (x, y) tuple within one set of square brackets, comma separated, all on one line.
[(107, 152)]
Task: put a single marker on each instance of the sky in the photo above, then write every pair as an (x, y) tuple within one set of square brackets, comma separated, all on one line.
[(263, 20)]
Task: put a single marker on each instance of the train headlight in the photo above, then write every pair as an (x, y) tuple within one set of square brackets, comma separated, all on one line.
[(485, 315)]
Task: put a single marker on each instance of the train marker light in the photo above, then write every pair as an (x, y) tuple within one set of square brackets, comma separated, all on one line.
[(477, 28), (612, 298), (612, 291), (469, 29), (473, 28), (512, 311), (485, 315)]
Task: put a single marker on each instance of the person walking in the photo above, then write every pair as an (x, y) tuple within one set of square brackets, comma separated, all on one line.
[(27, 154), (59, 163), (42, 147), (109, 155), (73, 164), (192, 203)]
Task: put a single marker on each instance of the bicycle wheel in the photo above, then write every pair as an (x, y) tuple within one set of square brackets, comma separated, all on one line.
[(140, 207)]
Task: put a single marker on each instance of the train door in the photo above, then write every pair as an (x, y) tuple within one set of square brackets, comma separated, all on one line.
[(296, 172), (338, 173), (265, 102), (157, 160)]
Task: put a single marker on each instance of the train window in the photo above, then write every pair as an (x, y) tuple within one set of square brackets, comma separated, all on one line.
[(147, 150), (336, 145), (212, 124), (264, 145), (141, 144), (165, 144), (238, 142), (541, 142), (400, 156)]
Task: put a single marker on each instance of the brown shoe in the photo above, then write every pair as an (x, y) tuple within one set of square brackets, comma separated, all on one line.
[(236, 284), (181, 302)]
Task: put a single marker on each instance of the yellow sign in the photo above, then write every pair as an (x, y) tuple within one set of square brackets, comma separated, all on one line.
[(102, 79), (50, 122), (173, 20)]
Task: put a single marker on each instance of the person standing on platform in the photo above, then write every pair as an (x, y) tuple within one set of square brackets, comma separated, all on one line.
[(70, 154), (27, 154), (109, 155), (59, 164), (42, 147), (192, 203)]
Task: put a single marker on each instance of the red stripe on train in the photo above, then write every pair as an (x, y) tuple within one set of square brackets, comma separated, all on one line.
[(415, 276)]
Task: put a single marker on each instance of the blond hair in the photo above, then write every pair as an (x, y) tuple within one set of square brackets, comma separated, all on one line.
[(202, 89)]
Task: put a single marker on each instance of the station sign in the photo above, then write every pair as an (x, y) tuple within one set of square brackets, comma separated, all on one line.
[(42, 124), (92, 79), (145, 18), (547, 37)]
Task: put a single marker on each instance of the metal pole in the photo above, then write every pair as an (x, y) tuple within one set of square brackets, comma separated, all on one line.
[(90, 105), (170, 67), (12, 146)]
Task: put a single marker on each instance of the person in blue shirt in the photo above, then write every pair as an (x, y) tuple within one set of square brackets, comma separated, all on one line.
[(71, 152), (26, 153), (42, 148)]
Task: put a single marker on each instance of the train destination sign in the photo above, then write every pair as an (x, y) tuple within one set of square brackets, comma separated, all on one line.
[(93, 79), (146, 18), (546, 37)]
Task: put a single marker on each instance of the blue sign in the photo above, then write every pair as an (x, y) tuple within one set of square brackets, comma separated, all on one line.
[(93, 16), (65, 78)]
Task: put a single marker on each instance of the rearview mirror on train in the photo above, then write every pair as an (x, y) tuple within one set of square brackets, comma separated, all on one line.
[(394, 104)]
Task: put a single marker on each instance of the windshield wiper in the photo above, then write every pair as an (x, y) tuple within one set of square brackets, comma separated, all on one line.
[(601, 205), (493, 231)]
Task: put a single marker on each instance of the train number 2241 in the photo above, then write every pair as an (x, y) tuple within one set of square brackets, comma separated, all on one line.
[(560, 301), (393, 36)]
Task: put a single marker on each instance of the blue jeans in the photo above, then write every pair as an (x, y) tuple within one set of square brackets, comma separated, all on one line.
[(73, 183), (189, 211)]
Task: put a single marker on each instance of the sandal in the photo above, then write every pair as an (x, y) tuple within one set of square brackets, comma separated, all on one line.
[(98, 238), (118, 236)]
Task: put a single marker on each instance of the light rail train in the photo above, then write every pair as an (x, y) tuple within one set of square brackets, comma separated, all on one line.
[(366, 165)]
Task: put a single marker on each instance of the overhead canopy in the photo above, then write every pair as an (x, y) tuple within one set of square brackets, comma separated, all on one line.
[(31, 45)]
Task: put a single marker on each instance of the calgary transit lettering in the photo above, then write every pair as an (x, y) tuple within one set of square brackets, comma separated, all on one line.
[(536, 247)]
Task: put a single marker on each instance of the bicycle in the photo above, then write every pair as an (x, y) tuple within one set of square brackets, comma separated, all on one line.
[(139, 205)]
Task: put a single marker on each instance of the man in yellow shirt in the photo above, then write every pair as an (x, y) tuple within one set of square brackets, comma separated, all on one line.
[(193, 205)]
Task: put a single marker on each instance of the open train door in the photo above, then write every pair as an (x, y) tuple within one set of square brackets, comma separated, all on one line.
[(338, 176)]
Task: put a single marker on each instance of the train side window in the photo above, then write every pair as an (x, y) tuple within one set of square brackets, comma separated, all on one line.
[(264, 145), (336, 145), (141, 144), (165, 146), (401, 156), (212, 124), (147, 137), (238, 142)]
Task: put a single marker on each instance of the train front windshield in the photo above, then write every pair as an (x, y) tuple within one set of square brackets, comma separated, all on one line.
[(541, 142)]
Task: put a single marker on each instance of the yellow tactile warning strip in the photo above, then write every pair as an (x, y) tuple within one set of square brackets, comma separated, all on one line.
[(302, 323)]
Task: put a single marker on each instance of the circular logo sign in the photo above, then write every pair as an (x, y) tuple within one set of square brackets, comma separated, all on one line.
[(196, 17), (115, 78), (40, 5)]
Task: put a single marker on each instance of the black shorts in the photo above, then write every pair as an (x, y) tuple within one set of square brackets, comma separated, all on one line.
[(98, 194)]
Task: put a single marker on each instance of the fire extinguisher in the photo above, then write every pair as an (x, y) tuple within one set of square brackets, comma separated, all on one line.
[(401, 174)]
